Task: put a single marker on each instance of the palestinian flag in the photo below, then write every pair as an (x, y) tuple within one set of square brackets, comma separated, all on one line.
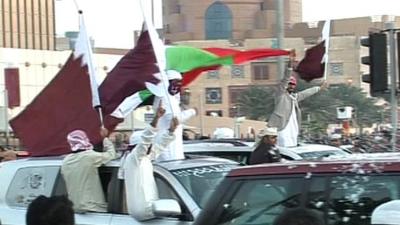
[(125, 86), (130, 103), (234, 57)]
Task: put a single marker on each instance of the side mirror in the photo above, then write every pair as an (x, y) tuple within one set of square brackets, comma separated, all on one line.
[(166, 207), (387, 213)]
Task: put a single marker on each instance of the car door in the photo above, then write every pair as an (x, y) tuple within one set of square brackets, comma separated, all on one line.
[(27, 183), (168, 189)]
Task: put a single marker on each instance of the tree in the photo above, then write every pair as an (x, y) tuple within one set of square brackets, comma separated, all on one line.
[(322, 107), (256, 103), (319, 110)]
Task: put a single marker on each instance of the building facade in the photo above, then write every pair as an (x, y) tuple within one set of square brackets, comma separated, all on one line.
[(252, 24), (225, 19), (27, 24)]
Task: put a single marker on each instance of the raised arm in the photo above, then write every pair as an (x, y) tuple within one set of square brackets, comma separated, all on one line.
[(109, 150)]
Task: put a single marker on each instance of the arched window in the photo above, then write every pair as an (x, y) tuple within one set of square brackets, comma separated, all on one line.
[(218, 21)]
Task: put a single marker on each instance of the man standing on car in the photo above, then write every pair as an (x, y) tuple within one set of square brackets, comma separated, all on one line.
[(266, 151), (137, 169), (173, 108), (287, 114), (80, 171)]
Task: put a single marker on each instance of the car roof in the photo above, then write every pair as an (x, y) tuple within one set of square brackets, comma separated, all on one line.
[(303, 148), (188, 162), (215, 147), (230, 142), (226, 147), (361, 165), (197, 161)]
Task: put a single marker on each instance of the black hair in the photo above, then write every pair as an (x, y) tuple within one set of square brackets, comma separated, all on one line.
[(55, 210), (299, 216)]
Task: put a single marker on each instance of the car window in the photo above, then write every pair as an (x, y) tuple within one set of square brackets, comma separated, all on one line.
[(165, 191), (350, 200), (322, 154), (260, 201), (286, 157), (240, 157), (30, 182), (201, 181), (354, 198)]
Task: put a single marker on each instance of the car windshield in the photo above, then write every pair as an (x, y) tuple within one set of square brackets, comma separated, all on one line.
[(322, 154), (341, 199), (201, 181)]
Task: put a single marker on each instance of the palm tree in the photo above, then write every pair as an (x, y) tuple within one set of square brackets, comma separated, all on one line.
[(256, 102)]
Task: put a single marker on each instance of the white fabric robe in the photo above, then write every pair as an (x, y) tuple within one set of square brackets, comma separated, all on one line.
[(137, 170), (175, 149)]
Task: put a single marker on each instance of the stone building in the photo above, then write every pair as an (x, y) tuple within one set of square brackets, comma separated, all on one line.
[(252, 24), (27, 24)]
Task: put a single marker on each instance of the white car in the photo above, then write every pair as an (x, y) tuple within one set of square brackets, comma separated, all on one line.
[(240, 151), (184, 186)]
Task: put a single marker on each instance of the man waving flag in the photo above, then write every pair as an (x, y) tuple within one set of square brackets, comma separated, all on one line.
[(65, 104)]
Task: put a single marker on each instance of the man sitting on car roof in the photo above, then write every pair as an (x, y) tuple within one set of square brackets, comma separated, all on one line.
[(266, 150)]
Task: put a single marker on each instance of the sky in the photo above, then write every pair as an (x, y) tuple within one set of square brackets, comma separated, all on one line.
[(111, 23)]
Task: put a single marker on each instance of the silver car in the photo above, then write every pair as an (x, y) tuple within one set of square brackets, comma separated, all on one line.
[(241, 151), (184, 186)]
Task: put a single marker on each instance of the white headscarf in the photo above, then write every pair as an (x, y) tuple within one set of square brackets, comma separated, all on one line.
[(78, 139)]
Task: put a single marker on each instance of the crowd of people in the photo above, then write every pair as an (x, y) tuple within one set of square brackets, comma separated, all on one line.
[(159, 142)]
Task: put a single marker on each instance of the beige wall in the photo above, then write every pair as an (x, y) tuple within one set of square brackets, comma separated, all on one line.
[(27, 24), (38, 67), (247, 16), (344, 52)]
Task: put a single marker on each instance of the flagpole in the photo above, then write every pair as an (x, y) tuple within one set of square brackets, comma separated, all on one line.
[(280, 35), (6, 114), (76, 5), (326, 36), (159, 58), (91, 70)]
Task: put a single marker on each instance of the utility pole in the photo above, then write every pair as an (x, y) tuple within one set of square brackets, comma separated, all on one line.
[(393, 83), (7, 131), (280, 34)]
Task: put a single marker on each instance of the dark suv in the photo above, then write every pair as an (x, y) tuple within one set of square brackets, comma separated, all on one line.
[(343, 192)]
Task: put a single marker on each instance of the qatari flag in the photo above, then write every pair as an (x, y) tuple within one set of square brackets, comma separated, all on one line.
[(64, 105), (12, 86), (311, 66), (129, 75)]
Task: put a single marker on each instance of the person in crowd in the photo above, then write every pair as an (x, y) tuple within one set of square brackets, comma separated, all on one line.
[(137, 169), (335, 140), (55, 210), (299, 216), (287, 114), (173, 109), (7, 155), (80, 171), (266, 150)]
